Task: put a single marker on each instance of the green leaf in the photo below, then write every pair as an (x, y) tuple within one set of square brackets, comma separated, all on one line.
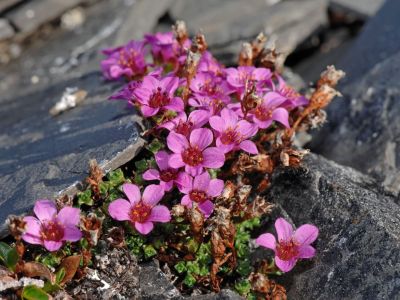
[(243, 287), (141, 165), (8, 255), (85, 198), (149, 251), (60, 275), (193, 267), (180, 267), (189, 280), (51, 288), (103, 188), (155, 146), (32, 292), (116, 177)]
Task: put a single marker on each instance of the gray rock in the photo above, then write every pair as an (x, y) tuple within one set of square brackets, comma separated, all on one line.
[(227, 22), (154, 284), (378, 41), (143, 16), (360, 9), (364, 127), (40, 155), (6, 30), (359, 243), (7, 4), (28, 17)]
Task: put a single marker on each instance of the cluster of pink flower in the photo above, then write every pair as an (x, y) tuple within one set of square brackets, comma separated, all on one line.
[(201, 129)]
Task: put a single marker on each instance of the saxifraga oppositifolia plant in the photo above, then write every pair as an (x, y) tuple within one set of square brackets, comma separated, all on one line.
[(195, 194)]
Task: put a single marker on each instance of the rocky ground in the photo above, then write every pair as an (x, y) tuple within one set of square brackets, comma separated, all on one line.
[(48, 46)]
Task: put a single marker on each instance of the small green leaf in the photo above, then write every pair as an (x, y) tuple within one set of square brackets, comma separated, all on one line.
[(85, 198), (32, 292), (192, 245), (116, 177), (149, 251), (60, 275), (8, 255), (189, 280), (103, 187), (180, 267), (155, 146), (193, 267), (141, 165), (243, 287)]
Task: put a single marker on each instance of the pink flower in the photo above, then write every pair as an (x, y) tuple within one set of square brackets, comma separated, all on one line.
[(233, 134), (291, 245), (141, 211), (166, 175), (50, 229), (184, 125), (166, 49), (237, 77), (270, 110), (125, 61), (293, 98), (194, 154), (200, 190), (155, 95), (209, 86), (209, 64)]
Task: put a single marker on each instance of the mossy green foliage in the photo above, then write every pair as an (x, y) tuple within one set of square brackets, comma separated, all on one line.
[(8, 256), (198, 267)]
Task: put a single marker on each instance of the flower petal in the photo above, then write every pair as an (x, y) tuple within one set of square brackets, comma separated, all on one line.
[(306, 234), (285, 265), (282, 116), (199, 117), (246, 129), (229, 117), (69, 216), (72, 234), (152, 194), (215, 187), (160, 213), (249, 147), (119, 209), (32, 233), (45, 210), (151, 174), (148, 111), (206, 208), (283, 229), (176, 104), (186, 201), (177, 142), (132, 192), (52, 245), (306, 251), (201, 137), (201, 182), (194, 171), (266, 240), (144, 228), (213, 158), (175, 161), (184, 182), (162, 158), (217, 123)]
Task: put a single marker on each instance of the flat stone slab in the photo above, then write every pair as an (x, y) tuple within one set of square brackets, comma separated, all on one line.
[(358, 248), (364, 127), (378, 40), (33, 14), (362, 9), (41, 155), (6, 30), (227, 24)]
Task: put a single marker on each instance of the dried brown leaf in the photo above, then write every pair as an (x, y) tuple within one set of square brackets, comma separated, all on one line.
[(70, 265), (35, 269)]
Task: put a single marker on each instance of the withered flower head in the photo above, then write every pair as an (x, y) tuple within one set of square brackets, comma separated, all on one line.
[(17, 226), (180, 31)]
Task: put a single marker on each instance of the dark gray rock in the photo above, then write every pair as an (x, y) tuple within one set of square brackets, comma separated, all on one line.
[(359, 243), (364, 127), (378, 41), (227, 24), (143, 17), (6, 4), (359, 9), (33, 14), (6, 30), (41, 155)]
